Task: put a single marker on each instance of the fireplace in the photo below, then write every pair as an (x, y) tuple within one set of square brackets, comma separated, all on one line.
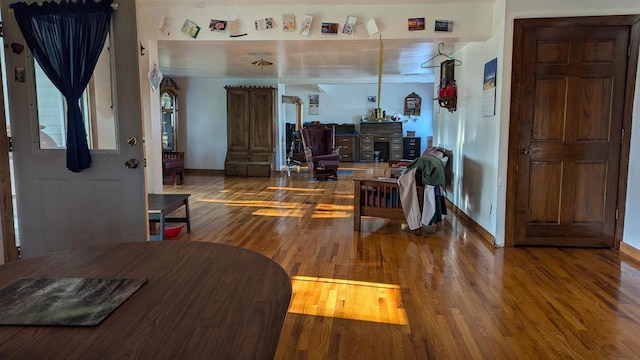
[(380, 141), (381, 151)]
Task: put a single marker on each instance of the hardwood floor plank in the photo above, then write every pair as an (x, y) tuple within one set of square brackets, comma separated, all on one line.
[(385, 293)]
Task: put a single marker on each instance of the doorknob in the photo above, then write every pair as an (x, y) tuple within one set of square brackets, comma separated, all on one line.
[(526, 152), (131, 163)]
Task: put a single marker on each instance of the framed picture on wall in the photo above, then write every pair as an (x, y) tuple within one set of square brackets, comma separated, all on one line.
[(489, 88), (415, 24), (412, 104), (314, 104)]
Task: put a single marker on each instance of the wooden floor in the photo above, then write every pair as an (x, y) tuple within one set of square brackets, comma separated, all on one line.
[(384, 293)]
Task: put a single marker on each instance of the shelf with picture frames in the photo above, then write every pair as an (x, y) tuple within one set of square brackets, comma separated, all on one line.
[(448, 102)]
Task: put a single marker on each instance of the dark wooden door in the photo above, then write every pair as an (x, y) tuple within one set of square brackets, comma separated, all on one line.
[(570, 79)]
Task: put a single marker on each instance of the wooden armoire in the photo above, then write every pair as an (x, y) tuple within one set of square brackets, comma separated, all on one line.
[(251, 122)]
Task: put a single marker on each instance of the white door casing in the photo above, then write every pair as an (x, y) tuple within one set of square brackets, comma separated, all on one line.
[(59, 209)]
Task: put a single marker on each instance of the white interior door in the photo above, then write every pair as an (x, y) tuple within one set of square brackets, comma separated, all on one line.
[(59, 209)]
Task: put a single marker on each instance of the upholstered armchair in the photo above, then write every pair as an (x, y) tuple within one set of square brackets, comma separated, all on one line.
[(173, 165), (323, 158)]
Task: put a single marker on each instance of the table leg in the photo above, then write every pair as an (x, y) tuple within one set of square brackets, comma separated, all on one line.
[(186, 207), (157, 217), (161, 226)]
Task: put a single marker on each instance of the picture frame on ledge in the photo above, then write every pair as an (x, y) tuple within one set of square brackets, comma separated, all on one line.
[(190, 28)]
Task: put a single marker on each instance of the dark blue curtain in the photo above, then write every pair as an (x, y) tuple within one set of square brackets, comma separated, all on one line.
[(66, 39)]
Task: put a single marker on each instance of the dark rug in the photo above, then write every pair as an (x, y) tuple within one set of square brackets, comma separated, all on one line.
[(63, 301)]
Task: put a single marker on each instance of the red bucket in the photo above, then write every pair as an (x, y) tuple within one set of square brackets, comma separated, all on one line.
[(172, 231)]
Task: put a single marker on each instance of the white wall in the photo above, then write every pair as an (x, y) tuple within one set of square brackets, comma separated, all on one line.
[(203, 119), (481, 142), (631, 234), (480, 155), (345, 104), (203, 114), (472, 138), (511, 10), (474, 24), (151, 119)]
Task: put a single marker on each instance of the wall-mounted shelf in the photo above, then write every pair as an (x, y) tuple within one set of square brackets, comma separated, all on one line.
[(448, 102)]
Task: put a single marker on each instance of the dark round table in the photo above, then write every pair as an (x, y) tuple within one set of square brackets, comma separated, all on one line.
[(201, 301)]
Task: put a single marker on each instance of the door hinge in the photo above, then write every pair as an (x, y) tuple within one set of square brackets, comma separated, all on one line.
[(617, 214), (629, 51), (622, 136), (1, 30)]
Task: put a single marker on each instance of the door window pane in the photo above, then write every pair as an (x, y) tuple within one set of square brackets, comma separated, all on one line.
[(96, 106)]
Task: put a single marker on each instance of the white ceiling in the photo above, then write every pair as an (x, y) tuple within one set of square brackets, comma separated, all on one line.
[(300, 61), (303, 61), (203, 3)]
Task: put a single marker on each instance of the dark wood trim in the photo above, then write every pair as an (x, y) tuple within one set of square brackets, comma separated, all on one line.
[(627, 120), (484, 234), (512, 147), (517, 63), (6, 197), (206, 172), (630, 251), (613, 20)]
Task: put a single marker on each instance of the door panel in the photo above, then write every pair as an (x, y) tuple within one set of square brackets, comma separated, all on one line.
[(588, 199), (105, 203), (543, 206), (262, 120), (595, 96), (549, 113), (237, 105), (571, 90)]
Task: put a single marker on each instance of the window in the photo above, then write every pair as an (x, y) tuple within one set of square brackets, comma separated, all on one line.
[(96, 105)]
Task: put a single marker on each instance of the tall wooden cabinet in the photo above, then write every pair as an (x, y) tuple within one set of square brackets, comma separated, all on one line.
[(251, 121)]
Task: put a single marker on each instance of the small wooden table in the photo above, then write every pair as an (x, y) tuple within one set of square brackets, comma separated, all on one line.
[(202, 301), (161, 205)]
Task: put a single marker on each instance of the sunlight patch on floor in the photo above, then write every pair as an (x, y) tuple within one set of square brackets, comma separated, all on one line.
[(330, 215), (332, 211), (333, 207), (289, 209), (279, 212), (294, 189), (255, 203), (348, 299)]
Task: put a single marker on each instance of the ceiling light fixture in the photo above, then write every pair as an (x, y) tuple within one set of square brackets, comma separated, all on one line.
[(262, 63)]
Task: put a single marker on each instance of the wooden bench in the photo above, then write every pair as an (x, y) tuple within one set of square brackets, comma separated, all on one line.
[(379, 198), (161, 205)]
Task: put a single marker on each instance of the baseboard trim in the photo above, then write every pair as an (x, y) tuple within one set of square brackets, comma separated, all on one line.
[(469, 221), (630, 251), (205, 172)]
